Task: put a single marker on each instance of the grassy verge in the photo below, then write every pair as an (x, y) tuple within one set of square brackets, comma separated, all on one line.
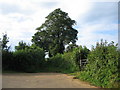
[(81, 77)]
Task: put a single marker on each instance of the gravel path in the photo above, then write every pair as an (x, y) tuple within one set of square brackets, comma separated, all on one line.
[(41, 80)]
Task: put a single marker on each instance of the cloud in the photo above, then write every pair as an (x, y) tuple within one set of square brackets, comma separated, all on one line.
[(99, 23), (20, 19), (102, 12), (15, 7), (47, 4)]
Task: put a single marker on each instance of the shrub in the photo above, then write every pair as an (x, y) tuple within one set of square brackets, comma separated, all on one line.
[(69, 61), (79, 54), (21, 45), (102, 67), (29, 59), (7, 58), (70, 58), (62, 63), (56, 60)]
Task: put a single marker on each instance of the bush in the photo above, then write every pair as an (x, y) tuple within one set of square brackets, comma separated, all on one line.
[(70, 58), (69, 61), (7, 58), (29, 59), (55, 61), (63, 62), (79, 54), (102, 67)]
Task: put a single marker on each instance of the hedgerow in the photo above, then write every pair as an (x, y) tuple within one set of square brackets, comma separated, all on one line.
[(7, 59), (63, 63), (69, 61), (102, 68), (30, 59)]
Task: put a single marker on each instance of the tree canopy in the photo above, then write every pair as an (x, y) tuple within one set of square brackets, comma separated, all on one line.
[(4, 42), (21, 45), (56, 32)]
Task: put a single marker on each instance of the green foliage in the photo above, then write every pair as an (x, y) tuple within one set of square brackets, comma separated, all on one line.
[(7, 55), (71, 58), (63, 63), (70, 47), (29, 59), (102, 67), (80, 53), (7, 59), (21, 45), (55, 62), (69, 61), (5, 40), (55, 33)]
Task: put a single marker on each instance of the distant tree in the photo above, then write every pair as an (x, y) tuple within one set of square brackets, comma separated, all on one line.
[(7, 55), (4, 42), (21, 45), (55, 33)]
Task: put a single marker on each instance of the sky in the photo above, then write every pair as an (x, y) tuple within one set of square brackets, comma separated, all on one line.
[(95, 19)]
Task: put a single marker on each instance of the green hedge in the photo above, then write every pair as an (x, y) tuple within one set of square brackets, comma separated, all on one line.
[(30, 59), (7, 59), (102, 68), (63, 63), (69, 61), (80, 53)]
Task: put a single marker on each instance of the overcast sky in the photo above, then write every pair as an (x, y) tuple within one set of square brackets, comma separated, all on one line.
[(95, 20)]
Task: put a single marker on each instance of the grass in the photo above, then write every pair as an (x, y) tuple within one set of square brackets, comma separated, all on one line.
[(78, 76)]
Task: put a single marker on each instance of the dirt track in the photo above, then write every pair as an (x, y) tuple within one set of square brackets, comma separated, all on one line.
[(41, 80)]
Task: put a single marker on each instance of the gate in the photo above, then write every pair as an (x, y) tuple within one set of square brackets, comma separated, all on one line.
[(83, 62)]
